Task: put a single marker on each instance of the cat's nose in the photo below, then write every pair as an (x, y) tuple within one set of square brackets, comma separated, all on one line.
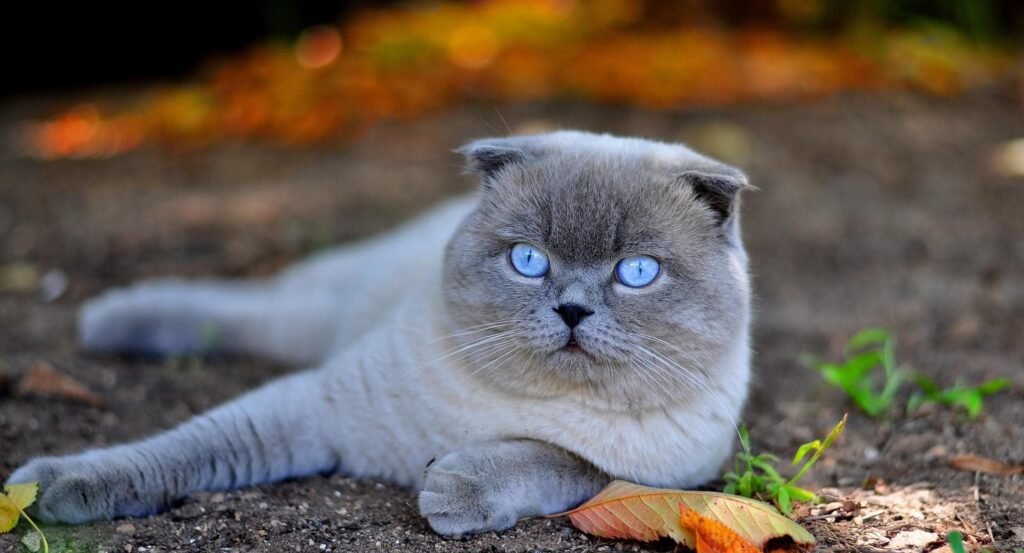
[(572, 313)]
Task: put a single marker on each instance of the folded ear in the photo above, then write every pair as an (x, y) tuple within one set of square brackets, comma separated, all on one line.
[(488, 156), (718, 187)]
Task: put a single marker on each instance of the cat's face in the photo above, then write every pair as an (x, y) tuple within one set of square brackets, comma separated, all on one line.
[(602, 266)]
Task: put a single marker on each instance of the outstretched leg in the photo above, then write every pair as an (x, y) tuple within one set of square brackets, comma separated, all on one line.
[(173, 316), (298, 317), (491, 485), (274, 432)]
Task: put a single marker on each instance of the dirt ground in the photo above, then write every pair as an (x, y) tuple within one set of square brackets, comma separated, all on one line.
[(873, 210)]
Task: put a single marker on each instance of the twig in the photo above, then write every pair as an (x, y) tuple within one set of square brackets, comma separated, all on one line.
[(813, 518), (977, 504)]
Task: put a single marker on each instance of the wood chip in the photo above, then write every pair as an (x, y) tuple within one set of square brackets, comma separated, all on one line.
[(858, 520), (42, 380), (977, 463)]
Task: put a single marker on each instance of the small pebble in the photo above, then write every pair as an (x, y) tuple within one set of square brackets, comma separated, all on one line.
[(126, 528), (53, 285), (871, 454)]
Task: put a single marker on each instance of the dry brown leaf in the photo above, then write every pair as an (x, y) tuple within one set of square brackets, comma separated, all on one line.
[(625, 510), (977, 463), (42, 380)]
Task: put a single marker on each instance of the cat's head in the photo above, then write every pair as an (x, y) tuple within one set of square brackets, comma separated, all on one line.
[(602, 266)]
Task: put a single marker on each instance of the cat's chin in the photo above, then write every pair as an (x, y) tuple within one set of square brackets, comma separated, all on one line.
[(575, 364)]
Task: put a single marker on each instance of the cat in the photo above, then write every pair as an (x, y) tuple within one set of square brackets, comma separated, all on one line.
[(583, 317)]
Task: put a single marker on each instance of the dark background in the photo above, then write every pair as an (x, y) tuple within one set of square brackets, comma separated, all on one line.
[(62, 46), (52, 46)]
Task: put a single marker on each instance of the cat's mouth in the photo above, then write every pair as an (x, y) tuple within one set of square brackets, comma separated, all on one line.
[(572, 344)]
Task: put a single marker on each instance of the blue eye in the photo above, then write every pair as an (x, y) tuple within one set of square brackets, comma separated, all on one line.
[(528, 260), (637, 271)]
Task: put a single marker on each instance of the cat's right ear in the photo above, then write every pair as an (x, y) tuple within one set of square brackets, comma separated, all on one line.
[(487, 157)]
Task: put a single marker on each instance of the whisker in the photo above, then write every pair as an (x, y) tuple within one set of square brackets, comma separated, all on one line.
[(475, 329), (459, 349), (507, 352), (700, 384), (677, 349)]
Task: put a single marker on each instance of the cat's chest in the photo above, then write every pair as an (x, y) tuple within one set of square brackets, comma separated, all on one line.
[(655, 447), (658, 447)]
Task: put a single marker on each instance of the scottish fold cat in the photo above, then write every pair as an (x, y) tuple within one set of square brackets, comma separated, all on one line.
[(583, 317)]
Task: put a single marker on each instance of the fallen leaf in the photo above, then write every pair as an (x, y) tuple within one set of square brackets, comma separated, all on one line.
[(984, 464), (15, 499), (43, 380), (713, 536), (625, 510), (912, 539)]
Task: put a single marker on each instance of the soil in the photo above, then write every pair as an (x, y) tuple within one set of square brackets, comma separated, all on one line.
[(872, 211)]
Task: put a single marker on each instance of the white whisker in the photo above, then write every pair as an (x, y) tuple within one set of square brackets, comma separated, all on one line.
[(461, 348), (666, 364)]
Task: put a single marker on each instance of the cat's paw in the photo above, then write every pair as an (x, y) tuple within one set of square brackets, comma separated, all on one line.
[(154, 318), (73, 490), (461, 495)]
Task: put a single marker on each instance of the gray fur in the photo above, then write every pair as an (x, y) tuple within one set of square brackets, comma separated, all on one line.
[(447, 353)]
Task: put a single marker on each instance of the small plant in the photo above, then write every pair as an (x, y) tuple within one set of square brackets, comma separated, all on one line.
[(971, 400), (864, 354), (870, 376), (14, 499), (756, 475), (956, 541)]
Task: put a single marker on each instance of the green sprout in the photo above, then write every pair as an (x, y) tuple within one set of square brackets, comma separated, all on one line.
[(956, 541), (872, 379), (756, 475), (865, 353), (971, 400)]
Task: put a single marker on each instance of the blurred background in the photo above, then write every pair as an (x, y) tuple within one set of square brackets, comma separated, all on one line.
[(299, 73), (232, 138)]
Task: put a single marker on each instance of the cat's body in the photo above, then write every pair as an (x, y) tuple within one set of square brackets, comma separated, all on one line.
[(450, 358)]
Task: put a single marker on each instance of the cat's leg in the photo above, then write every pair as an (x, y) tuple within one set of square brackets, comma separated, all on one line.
[(175, 316), (491, 485), (281, 430)]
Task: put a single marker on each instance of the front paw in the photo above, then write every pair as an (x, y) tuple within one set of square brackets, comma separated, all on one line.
[(71, 490), (460, 496)]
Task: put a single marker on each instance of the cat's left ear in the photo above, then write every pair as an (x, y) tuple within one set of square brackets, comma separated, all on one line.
[(487, 157), (718, 187)]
